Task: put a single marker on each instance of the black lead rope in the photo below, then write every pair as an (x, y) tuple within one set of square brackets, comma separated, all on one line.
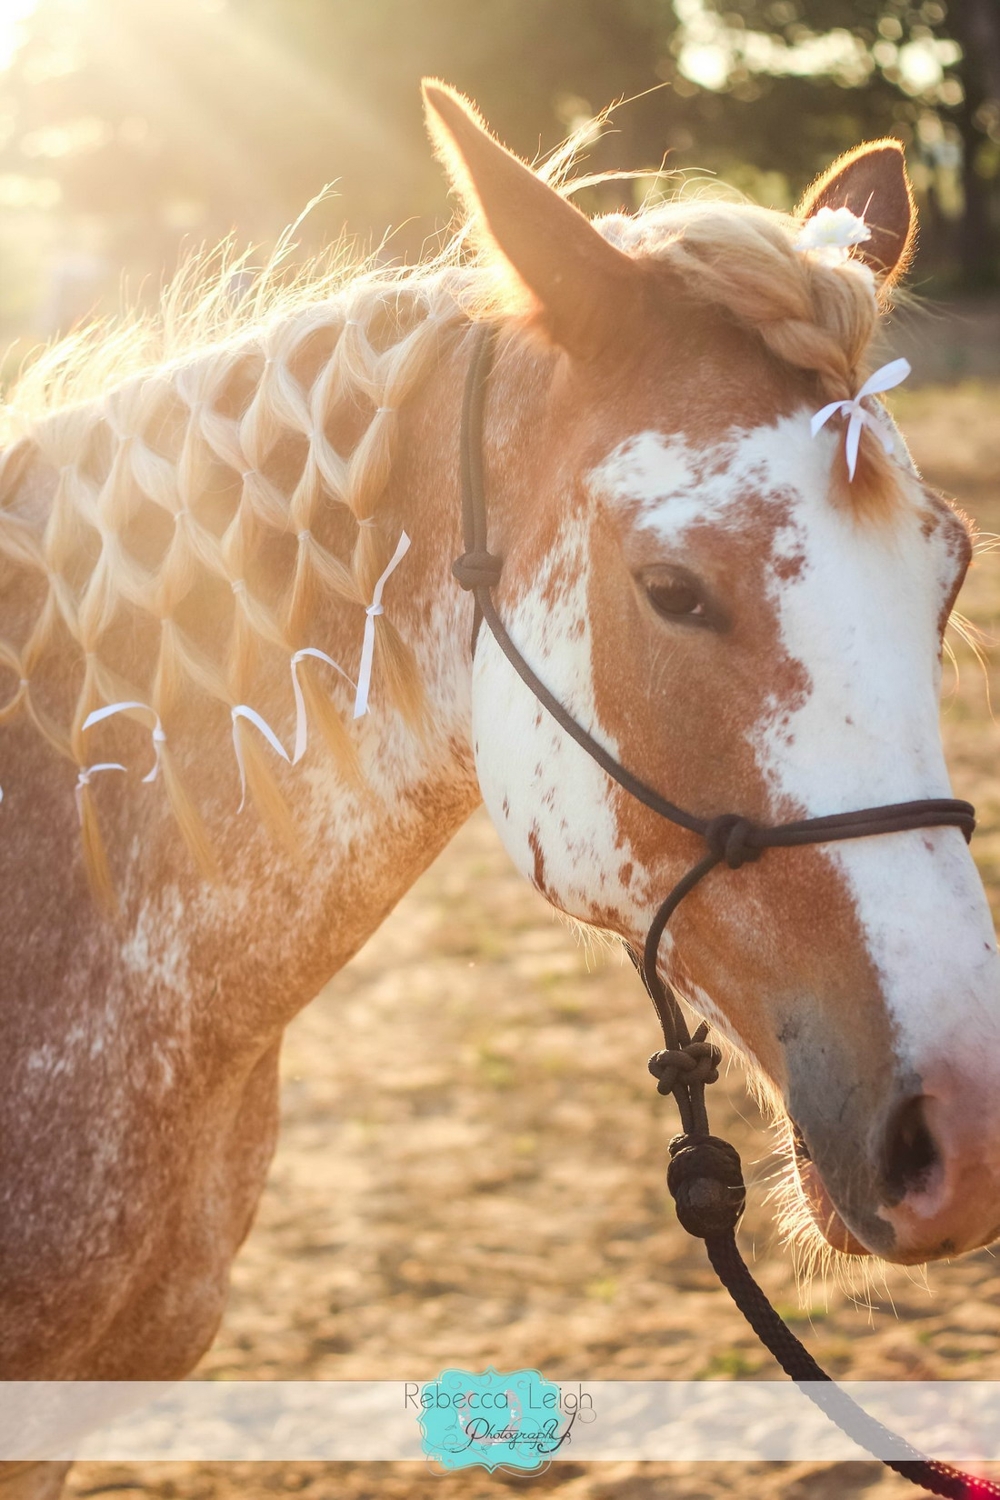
[(705, 1174)]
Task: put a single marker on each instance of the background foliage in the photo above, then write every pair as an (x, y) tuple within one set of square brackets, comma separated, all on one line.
[(130, 126)]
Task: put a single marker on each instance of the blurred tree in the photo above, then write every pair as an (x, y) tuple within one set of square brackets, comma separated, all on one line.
[(924, 70), (976, 25), (126, 125)]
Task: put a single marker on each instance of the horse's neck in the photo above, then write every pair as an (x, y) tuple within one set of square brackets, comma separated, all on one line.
[(279, 923), (363, 845), (370, 847)]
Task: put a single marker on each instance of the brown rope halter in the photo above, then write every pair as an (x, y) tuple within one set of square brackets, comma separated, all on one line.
[(705, 1174)]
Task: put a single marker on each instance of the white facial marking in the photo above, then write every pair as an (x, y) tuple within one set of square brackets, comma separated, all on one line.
[(862, 617), (671, 481), (549, 800), (649, 467), (857, 606)]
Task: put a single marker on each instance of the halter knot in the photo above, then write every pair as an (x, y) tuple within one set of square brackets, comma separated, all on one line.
[(698, 1062), (477, 568), (728, 836), (705, 1178)]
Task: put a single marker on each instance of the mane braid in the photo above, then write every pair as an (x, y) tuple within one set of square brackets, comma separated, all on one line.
[(170, 438), (218, 394)]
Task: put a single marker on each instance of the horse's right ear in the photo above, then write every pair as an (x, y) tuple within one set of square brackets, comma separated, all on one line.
[(580, 288), (871, 181)]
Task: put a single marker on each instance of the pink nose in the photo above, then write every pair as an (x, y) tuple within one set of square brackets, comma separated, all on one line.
[(940, 1171)]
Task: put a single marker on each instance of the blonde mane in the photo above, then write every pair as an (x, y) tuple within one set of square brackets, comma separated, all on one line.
[(172, 433), (816, 317), (198, 403)]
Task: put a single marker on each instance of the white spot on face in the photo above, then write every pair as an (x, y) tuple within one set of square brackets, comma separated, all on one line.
[(670, 486), (650, 468), (551, 803), (673, 485)]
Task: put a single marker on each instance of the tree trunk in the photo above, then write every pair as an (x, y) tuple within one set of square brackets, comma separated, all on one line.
[(976, 25)]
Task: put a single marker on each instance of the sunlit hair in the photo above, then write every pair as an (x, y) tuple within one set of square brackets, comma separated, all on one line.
[(220, 386), (204, 401), (819, 318)]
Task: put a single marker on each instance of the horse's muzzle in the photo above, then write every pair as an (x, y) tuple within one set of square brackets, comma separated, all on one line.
[(920, 1183)]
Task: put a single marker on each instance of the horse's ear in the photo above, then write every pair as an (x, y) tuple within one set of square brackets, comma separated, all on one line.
[(580, 287), (871, 181)]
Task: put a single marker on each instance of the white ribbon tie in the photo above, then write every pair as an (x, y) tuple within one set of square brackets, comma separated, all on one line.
[(84, 780), (301, 726), (158, 737), (371, 614), (858, 416), (242, 711)]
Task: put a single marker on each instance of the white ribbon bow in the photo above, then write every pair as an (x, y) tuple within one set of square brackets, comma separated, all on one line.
[(858, 416), (368, 644), (158, 737)]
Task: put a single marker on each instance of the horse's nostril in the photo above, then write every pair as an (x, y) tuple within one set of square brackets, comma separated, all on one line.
[(910, 1151)]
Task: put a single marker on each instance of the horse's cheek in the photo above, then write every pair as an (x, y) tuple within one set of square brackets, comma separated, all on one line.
[(550, 803)]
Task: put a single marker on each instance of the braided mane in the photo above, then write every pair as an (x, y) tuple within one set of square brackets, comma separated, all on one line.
[(203, 444), (227, 396)]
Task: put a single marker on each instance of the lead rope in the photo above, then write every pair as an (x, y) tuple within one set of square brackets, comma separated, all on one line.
[(705, 1175), (705, 1178)]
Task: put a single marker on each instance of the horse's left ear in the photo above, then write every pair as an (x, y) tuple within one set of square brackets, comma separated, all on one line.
[(871, 181), (581, 289)]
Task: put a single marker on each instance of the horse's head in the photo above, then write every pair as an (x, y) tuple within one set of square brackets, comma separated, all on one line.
[(749, 631)]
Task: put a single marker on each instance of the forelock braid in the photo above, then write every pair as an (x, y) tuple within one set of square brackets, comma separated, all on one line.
[(815, 317)]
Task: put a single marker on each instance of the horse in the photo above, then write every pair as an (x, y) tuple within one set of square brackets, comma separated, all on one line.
[(226, 564)]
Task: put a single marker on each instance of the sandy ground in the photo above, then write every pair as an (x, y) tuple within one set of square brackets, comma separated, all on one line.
[(471, 1164)]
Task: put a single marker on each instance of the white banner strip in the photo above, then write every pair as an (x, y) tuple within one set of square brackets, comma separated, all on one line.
[(597, 1421)]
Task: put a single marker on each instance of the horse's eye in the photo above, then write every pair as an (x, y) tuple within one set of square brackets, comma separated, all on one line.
[(675, 594)]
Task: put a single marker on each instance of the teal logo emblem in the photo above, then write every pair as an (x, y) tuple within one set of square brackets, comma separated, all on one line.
[(497, 1420)]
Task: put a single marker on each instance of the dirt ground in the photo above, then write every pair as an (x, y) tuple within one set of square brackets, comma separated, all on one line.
[(493, 1194)]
